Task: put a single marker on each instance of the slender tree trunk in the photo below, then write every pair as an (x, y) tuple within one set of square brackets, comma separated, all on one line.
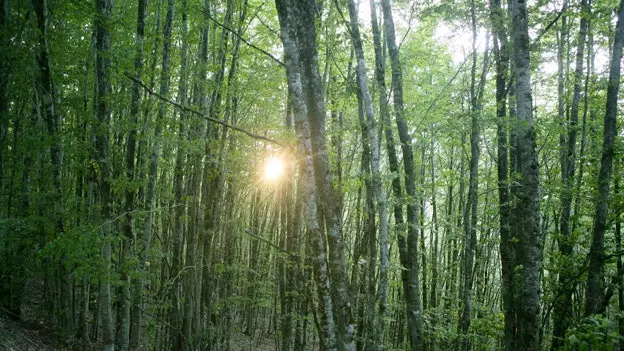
[(620, 266), (501, 52), (528, 250), (103, 21), (391, 151), (412, 288), (594, 294), (563, 305), (53, 125), (379, 195), (4, 104), (132, 327), (470, 212)]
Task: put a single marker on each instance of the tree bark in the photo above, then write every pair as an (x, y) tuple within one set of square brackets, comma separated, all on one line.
[(526, 231), (379, 195), (52, 121), (131, 329), (470, 212), (562, 318), (594, 293), (288, 32), (103, 21), (412, 288)]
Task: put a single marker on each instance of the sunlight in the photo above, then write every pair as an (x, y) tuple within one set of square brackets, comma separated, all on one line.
[(273, 169)]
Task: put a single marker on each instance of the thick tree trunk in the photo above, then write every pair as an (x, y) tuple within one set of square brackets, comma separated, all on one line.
[(594, 293), (410, 254), (526, 231), (329, 210), (288, 32), (103, 21)]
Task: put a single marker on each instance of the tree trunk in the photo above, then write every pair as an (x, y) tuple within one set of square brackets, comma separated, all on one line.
[(501, 51), (620, 266), (131, 329), (379, 195), (103, 21), (470, 212), (412, 289), (562, 318), (594, 293), (526, 231), (52, 121), (288, 32)]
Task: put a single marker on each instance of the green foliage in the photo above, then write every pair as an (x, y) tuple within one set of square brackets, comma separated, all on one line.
[(593, 333)]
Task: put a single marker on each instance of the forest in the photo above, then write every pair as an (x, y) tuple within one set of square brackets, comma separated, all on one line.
[(312, 174)]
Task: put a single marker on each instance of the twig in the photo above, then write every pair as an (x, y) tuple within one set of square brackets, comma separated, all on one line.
[(539, 36), (195, 112), (251, 45), (248, 231), (574, 279)]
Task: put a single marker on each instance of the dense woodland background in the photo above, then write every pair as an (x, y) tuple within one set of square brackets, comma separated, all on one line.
[(450, 174)]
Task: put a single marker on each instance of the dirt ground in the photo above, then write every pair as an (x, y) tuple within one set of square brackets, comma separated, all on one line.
[(15, 336)]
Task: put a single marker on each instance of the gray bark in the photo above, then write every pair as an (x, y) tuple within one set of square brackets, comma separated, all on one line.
[(288, 34), (470, 212), (410, 261), (526, 229), (379, 195), (594, 293), (562, 318)]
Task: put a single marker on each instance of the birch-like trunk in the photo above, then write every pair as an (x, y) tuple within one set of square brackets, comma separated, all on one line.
[(410, 253), (379, 195)]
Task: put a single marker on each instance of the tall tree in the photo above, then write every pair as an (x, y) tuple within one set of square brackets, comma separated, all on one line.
[(103, 21), (470, 212), (501, 52), (411, 285), (288, 15), (594, 295), (563, 305), (526, 228), (379, 195), (131, 320)]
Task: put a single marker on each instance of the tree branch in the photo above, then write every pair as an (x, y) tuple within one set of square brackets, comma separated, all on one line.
[(251, 45), (248, 232), (198, 113)]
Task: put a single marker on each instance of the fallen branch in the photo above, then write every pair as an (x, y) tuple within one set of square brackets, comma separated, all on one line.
[(198, 113)]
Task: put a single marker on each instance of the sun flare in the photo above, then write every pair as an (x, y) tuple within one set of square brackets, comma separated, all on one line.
[(273, 169)]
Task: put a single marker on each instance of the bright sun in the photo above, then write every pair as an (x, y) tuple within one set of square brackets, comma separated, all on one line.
[(273, 169)]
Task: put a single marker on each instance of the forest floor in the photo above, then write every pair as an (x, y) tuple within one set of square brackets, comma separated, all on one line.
[(17, 336)]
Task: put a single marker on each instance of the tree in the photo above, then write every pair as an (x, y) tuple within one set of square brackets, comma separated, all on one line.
[(408, 247), (526, 229), (594, 295), (101, 157)]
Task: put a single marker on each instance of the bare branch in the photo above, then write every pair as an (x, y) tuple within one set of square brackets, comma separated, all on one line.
[(198, 113)]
